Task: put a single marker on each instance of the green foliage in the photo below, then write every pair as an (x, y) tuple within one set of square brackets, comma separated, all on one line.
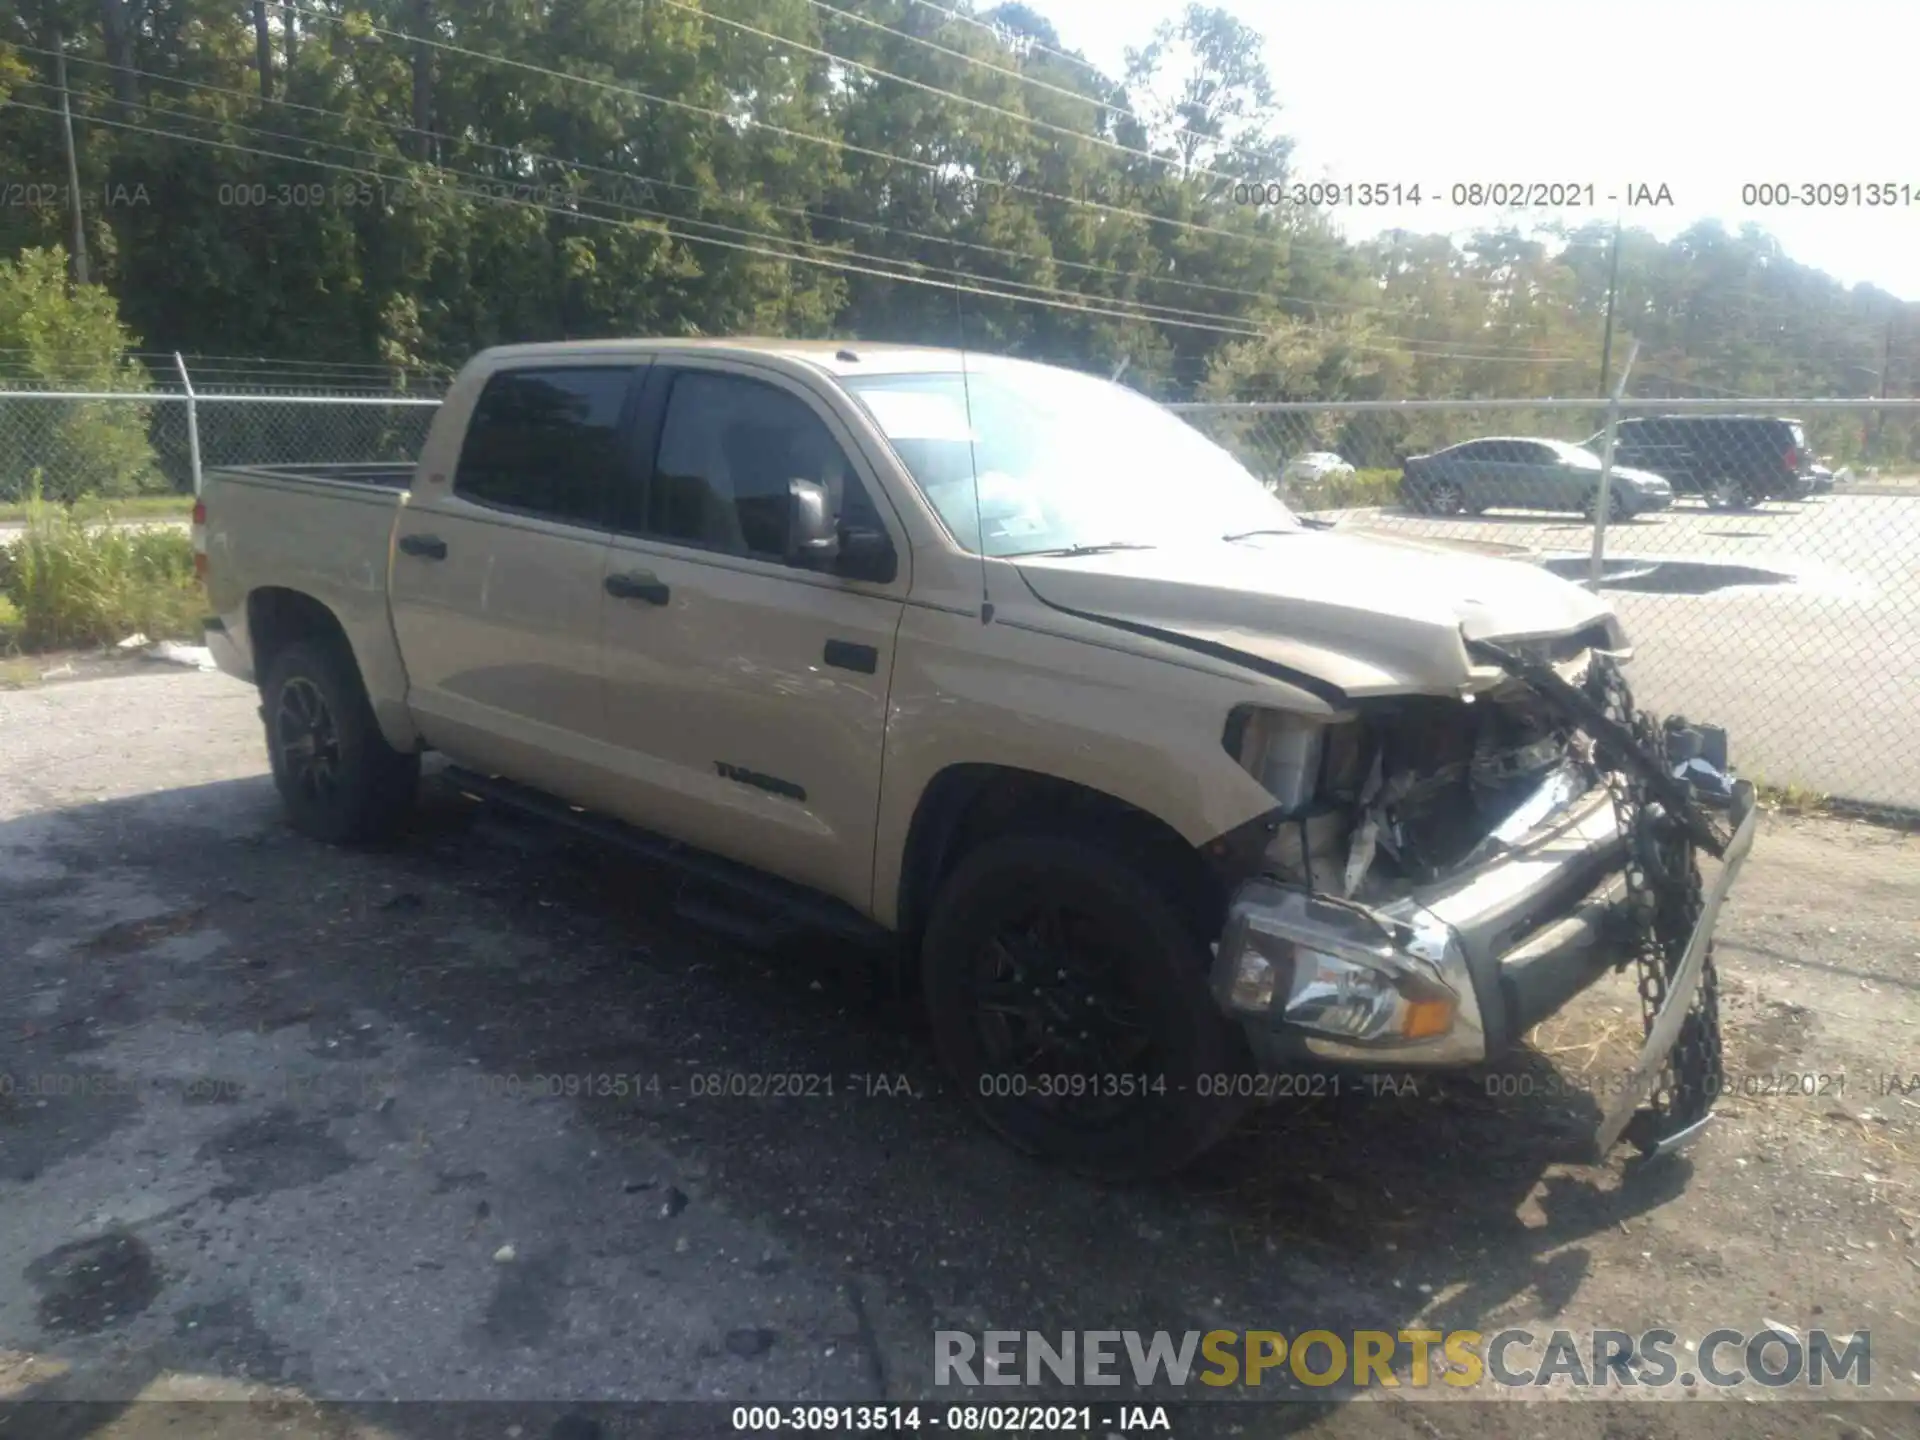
[(1345, 492), (123, 507), (70, 580), (600, 167), (69, 336)]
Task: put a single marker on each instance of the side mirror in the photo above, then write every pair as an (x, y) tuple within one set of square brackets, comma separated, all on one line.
[(865, 554), (813, 532)]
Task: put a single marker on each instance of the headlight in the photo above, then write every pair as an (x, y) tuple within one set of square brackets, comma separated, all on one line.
[(1280, 750)]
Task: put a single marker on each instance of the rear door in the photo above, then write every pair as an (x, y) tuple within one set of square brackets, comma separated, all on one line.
[(746, 698), (1496, 472), (497, 580), (1475, 468)]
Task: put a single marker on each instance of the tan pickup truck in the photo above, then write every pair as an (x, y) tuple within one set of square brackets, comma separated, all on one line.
[(1171, 799)]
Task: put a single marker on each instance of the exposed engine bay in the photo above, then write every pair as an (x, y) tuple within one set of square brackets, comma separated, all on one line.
[(1413, 791), (1361, 925)]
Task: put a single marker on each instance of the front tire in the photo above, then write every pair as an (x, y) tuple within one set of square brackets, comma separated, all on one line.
[(1068, 998), (338, 778), (1444, 497), (1730, 495), (1618, 510)]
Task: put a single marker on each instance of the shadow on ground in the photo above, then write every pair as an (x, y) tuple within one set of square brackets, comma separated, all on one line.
[(537, 954)]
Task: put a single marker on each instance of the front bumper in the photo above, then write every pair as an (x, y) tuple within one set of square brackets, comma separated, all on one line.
[(1448, 976), (1454, 974)]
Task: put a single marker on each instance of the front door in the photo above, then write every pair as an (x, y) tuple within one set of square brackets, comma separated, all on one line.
[(747, 698)]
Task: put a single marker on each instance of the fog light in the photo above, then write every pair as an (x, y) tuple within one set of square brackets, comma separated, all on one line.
[(1253, 982)]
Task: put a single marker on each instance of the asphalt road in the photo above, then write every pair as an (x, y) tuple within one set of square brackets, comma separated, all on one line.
[(1817, 677), (273, 1117)]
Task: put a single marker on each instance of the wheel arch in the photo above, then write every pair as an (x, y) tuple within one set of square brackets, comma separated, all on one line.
[(968, 803), (280, 615)]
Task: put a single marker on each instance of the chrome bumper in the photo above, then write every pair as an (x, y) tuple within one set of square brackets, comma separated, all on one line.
[(1447, 976)]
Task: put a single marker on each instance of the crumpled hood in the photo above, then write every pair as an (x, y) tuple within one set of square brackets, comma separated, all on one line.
[(1366, 614)]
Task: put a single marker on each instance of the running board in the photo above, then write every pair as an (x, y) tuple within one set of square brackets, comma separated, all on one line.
[(790, 908)]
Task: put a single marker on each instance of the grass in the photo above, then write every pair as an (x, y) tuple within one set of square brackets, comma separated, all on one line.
[(126, 507), (71, 580), (1792, 798)]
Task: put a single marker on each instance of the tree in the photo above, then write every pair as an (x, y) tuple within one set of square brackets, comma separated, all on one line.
[(70, 336), (1202, 86)]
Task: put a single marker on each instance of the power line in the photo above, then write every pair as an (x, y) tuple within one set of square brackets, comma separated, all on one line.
[(941, 172), (665, 230), (1162, 315), (954, 95), (1410, 344), (998, 32), (1024, 78), (784, 256), (253, 97)]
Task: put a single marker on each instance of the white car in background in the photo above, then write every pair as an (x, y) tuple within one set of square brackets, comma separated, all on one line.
[(1313, 466)]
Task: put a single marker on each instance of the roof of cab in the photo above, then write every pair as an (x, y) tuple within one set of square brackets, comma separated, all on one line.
[(835, 357)]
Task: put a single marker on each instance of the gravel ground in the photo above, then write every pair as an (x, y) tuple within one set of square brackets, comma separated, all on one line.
[(272, 1122)]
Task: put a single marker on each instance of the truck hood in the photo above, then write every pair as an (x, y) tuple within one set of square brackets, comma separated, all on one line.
[(1362, 614)]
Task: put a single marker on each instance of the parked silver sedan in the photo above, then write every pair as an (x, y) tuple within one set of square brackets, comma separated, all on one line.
[(1525, 473)]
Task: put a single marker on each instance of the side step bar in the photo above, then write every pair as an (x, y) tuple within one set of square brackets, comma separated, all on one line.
[(786, 908)]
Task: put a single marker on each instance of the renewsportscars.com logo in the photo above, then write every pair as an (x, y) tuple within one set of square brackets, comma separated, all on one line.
[(1773, 1357)]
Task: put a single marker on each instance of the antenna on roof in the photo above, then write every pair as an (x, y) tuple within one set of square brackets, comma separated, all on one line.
[(973, 460)]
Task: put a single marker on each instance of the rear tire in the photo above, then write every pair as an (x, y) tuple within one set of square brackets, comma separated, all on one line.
[(1032, 938), (338, 778)]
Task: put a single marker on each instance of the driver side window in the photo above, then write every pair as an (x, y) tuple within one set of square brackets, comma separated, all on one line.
[(728, 447)]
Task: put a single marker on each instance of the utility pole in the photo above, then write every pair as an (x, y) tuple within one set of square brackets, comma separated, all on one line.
[(1613, 286), (73, 162), (1886, 364)]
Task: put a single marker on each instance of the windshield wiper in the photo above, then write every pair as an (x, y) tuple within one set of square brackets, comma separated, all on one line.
[(1072, 550)]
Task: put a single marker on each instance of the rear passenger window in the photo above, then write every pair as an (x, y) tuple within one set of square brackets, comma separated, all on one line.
[(546, 442), (728, 447)]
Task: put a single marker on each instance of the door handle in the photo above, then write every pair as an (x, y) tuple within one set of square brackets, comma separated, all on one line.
[(641, 585), (427, 547)]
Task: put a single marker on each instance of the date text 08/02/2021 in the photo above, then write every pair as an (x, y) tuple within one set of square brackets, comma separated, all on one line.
[(958, 1419), (1499, 194)]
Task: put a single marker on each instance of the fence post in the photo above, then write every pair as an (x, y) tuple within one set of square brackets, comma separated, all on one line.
[(1597, 562), (193, 422)]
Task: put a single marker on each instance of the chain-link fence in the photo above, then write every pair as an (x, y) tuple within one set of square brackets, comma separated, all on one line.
[(1765, 588), (64, 445)]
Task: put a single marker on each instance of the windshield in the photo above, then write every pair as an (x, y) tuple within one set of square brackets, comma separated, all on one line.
[(1063, 460)]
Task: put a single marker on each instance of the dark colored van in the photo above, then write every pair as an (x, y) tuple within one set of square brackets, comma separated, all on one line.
[(1734, 461)]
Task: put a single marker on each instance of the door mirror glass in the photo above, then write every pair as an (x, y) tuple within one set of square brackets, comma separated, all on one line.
[(813, 532)]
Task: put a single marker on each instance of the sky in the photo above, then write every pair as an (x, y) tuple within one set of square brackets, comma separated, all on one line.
[(1701, 96)]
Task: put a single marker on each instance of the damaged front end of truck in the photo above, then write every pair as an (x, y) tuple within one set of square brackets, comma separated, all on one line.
[(1442, 873)]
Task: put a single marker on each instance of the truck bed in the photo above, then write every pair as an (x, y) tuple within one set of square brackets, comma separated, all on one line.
[(383, 474), (316, 530)]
